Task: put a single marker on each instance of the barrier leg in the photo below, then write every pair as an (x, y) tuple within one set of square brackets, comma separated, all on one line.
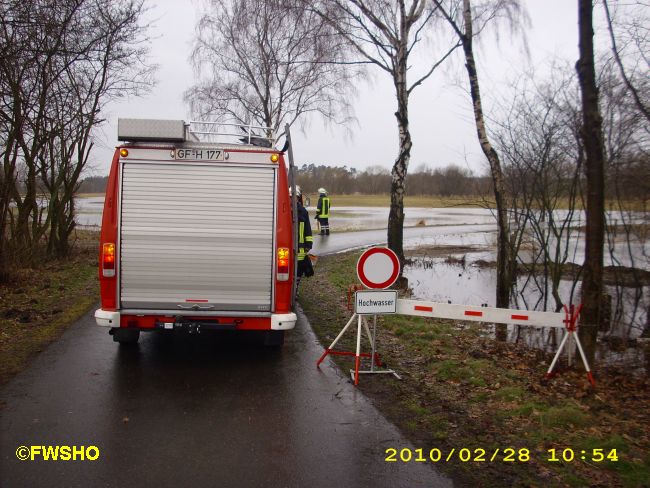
[(557, 354), (371, 339), (373, 354), (374, 357), (357, 360), (584, 361), (338, 337)]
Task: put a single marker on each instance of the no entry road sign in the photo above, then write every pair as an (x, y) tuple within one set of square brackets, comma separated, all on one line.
[(378, 268)]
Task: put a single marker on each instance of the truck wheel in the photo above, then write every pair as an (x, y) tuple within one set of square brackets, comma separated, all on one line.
[(274, 338), (125, 336)]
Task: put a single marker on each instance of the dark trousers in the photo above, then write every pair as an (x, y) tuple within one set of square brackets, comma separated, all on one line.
[(324, 225)]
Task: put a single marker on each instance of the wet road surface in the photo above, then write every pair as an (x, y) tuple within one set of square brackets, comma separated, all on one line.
[(197, 411)]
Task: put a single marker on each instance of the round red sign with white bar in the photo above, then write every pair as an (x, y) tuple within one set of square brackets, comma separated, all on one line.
[(378, 268)]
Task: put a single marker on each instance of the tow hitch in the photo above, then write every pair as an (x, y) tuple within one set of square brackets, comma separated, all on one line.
[(195, 326)]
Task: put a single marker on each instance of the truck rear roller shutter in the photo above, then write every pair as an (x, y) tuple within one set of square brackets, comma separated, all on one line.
[(197, 235)]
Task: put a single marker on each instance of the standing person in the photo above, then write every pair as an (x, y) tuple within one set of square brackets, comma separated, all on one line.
[(305, 240), (323, 212)]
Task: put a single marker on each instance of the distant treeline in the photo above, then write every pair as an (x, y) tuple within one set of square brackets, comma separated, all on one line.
[(341, 180), (446, 181), (93, 184)]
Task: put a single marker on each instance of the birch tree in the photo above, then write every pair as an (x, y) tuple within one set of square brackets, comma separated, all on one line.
[(269, 63), (385, 34)]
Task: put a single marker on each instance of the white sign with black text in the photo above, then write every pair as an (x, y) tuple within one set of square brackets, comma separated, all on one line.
[(371, 302)]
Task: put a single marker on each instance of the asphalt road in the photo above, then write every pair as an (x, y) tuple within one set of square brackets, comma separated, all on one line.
[(197, 411)]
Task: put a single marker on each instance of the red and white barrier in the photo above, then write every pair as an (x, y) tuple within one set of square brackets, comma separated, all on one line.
[(480, 314), (567, 320), (378, 268)]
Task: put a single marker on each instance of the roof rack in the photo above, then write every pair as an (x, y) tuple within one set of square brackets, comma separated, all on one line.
[(160, 130), (255, 135)]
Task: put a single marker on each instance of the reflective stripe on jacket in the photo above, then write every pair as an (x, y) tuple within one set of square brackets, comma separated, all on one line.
[(323, 207), (305, 238)]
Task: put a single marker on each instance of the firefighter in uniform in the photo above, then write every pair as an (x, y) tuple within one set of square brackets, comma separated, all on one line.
[(323, 212), (305, 239)]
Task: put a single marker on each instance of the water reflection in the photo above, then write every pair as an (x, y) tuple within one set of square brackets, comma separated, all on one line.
[(89, 211)]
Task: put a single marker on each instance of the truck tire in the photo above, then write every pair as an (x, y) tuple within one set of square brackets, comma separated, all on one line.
[(125, 336), (274, 338)]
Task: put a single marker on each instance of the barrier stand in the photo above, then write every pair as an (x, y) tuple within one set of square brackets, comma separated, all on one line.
[(374, 356), (571, 324), (378, 268)]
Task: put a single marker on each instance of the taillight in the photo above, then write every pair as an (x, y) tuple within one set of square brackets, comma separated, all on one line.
[(283, 263), (108, 260)]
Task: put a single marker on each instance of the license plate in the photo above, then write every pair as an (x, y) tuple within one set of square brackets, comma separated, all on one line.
[(201, 154)]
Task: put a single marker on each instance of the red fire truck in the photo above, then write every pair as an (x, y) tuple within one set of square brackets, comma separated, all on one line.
[(197, 234)]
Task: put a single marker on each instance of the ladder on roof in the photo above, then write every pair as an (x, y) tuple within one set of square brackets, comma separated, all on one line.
[(256, 135)]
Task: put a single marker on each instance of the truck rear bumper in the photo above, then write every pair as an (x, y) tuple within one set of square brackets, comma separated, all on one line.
[(284, 321), (105, 318)]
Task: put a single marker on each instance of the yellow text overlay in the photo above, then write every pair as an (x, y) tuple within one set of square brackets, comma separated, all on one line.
[(57, 453)]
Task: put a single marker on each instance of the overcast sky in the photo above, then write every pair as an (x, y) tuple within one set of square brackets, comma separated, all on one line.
[(440, 109)]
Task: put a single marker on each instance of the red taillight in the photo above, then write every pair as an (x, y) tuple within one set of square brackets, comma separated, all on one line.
[(283, 263), (108, 259)]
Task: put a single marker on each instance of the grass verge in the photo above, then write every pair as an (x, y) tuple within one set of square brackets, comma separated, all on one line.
[(39, 304), (462, 390)]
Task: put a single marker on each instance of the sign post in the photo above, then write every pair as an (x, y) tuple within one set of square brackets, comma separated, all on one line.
[(377, 268)]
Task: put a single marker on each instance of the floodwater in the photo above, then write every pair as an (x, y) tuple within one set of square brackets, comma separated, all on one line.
[(89, 211)]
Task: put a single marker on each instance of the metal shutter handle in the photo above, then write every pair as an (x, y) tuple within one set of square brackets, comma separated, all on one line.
[(195, 307)]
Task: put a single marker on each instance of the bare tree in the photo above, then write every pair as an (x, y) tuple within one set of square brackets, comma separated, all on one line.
[(627, 153), (633, 43), (61, 62), (269, 63), (537, 137), (112, 67), (33, 38), (468, 21), (385, 34), (592, 135)]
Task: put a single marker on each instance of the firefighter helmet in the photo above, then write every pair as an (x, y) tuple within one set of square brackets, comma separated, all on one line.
[(322, 191), (298, 191)]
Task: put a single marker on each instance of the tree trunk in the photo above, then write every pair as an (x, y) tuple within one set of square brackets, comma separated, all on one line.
[(592, 135), (504, 258), (400, 168)]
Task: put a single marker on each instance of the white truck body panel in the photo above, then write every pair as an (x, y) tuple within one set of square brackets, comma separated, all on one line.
[(196, 236)]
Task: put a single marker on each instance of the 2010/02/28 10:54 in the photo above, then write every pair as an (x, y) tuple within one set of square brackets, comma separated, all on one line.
[(508, 454)]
